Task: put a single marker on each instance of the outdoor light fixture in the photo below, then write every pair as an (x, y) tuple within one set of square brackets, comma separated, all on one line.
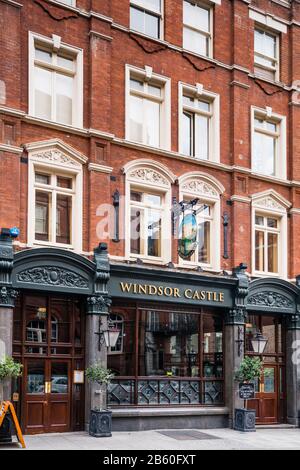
[(109, 337), (41, 313), (13, 232), (259, 343)]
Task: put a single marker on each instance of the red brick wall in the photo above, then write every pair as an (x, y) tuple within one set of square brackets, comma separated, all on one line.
[(106, 51)]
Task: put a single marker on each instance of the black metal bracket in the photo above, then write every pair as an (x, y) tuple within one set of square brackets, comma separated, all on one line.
[(225, 228), (116, 204), (240, 341)]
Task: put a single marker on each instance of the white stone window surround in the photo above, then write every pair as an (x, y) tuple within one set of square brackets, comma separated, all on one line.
[(149, 76), (281, 152), (55, 44), (70, 3), (276, 58), (207, 4), (200, 93), (141, 4), (146, 175), (268, 21), (209, 190), (56, 157), (270, 203)]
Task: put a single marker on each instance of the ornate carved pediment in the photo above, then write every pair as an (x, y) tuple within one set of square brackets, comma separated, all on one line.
[(55, 156), (148, 175), (270, 299), (53, 276), (199, 187), (269, 202)]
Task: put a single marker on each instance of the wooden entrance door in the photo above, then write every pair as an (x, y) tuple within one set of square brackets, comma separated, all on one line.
[(49, 342), (266, 402), (47, 396)]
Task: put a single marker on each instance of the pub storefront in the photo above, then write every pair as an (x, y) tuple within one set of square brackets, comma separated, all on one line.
[(182, 336), (170, 360)]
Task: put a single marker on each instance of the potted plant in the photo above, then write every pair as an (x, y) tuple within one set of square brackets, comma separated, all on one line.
[(100, 417), (251, 369), (9, 369)]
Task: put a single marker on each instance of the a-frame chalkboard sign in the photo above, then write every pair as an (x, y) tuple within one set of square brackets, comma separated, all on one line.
[(8, 407)]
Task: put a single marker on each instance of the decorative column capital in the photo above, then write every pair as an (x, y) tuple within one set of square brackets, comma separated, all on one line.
[(7, 297), (102, 274), (293, 322), (98, 305), (236, 316)]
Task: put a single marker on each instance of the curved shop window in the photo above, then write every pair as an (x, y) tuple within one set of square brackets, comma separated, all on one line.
[(168, 357)]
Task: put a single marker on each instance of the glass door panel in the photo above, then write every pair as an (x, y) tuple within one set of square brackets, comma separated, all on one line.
[(35, 384), (59, 378), (269, 380)]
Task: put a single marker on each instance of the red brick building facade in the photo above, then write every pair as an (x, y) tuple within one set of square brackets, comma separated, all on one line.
[(244, 82)]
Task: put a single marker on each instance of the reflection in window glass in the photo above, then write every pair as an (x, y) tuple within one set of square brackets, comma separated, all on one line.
[(43, 92), (36, 378), (168, 344)]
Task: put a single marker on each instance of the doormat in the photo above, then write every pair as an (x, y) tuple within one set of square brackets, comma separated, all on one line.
[(188, 435)]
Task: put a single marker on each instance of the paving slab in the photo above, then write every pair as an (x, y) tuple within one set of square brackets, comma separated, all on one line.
[(216, 439)]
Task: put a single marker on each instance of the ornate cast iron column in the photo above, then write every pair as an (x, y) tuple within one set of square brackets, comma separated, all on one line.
[(293, 365), (234, 340), (97, 313), (7, 302)]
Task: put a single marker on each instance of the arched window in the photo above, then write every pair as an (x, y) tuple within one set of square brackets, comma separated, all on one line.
[(205, 192), (148, 206), (55, 173)]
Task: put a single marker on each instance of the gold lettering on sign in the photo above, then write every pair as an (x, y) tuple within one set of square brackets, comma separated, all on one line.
[(175, 292)]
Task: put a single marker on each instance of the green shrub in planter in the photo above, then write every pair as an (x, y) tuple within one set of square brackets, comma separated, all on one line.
[(9, 369), (251, 369), (100, 418)]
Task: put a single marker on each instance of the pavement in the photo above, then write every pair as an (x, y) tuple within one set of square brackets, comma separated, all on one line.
[(182, 440)]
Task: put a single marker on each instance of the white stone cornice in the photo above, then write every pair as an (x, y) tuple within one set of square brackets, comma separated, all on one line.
[(11, 149), (100, 168), (12, 3), (237, 198)]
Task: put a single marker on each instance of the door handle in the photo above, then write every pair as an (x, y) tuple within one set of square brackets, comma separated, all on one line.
[(47, 387)]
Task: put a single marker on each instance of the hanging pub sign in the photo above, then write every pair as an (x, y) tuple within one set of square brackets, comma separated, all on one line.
[(187, 242), (247, 391)]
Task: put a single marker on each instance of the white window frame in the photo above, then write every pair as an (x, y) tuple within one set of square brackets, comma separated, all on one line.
[(141, 6), (200, 93), (270, 204), (281, 150), (72, 4), (276, 59), (54, 44), (160, 185), (146, 75), (209, 193), (38, 164), (207, 6)]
